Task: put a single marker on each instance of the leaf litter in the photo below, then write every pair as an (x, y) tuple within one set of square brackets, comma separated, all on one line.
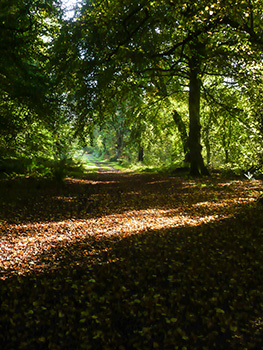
[(131, 262)]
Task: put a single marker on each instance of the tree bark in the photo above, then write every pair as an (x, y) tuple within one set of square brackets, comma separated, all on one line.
[(197, 167), (141, 154), (206, 139)]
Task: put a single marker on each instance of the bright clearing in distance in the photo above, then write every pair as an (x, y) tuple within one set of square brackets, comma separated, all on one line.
[(69, 8)]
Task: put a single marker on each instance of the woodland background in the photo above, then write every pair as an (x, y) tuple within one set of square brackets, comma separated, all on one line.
[(167, 83), (131, 175)]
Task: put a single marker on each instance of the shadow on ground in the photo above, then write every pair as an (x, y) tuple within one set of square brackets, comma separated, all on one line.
[(198, 287), (191, 287), (35, 200)]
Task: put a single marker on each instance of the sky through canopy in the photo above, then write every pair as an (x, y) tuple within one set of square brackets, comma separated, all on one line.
[(69, 7)]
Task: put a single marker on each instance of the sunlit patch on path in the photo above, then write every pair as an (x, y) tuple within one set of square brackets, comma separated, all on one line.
[(23, 246)]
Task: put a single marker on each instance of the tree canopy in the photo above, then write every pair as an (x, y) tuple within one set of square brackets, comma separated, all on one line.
[(26, 29), (161, 50), (190, 70)]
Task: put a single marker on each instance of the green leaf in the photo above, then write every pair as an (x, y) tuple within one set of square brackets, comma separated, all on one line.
[(220, 311)]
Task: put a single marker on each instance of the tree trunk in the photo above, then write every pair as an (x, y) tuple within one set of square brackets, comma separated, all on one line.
[(140, 154), (183, 134), (208, 152), (206, 139), (197, 167), (119, 143), (226, 140)]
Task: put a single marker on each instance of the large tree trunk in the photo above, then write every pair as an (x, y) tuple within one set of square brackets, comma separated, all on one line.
[(197, 167)]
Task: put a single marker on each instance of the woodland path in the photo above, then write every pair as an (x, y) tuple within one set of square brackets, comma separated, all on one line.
[(102, 167), (107, 203), (131, 261)]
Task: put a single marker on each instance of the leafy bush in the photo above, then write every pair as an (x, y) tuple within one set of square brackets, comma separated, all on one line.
[(15, 165), (40, 167)]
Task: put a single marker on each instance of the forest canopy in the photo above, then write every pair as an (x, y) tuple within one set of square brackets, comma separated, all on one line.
[(175, 83)]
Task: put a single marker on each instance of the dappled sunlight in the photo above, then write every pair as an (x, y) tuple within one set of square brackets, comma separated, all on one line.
[(70, 180), (226, 203), (26, 248), (38, 227), (158, 182)]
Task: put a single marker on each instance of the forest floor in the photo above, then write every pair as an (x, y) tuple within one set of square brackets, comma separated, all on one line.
[(131, 261)]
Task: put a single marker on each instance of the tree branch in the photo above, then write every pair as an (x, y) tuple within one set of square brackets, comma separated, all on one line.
[(254, 37)]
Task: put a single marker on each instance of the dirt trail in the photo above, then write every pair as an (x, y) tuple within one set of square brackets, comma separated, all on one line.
[(103, 167)]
